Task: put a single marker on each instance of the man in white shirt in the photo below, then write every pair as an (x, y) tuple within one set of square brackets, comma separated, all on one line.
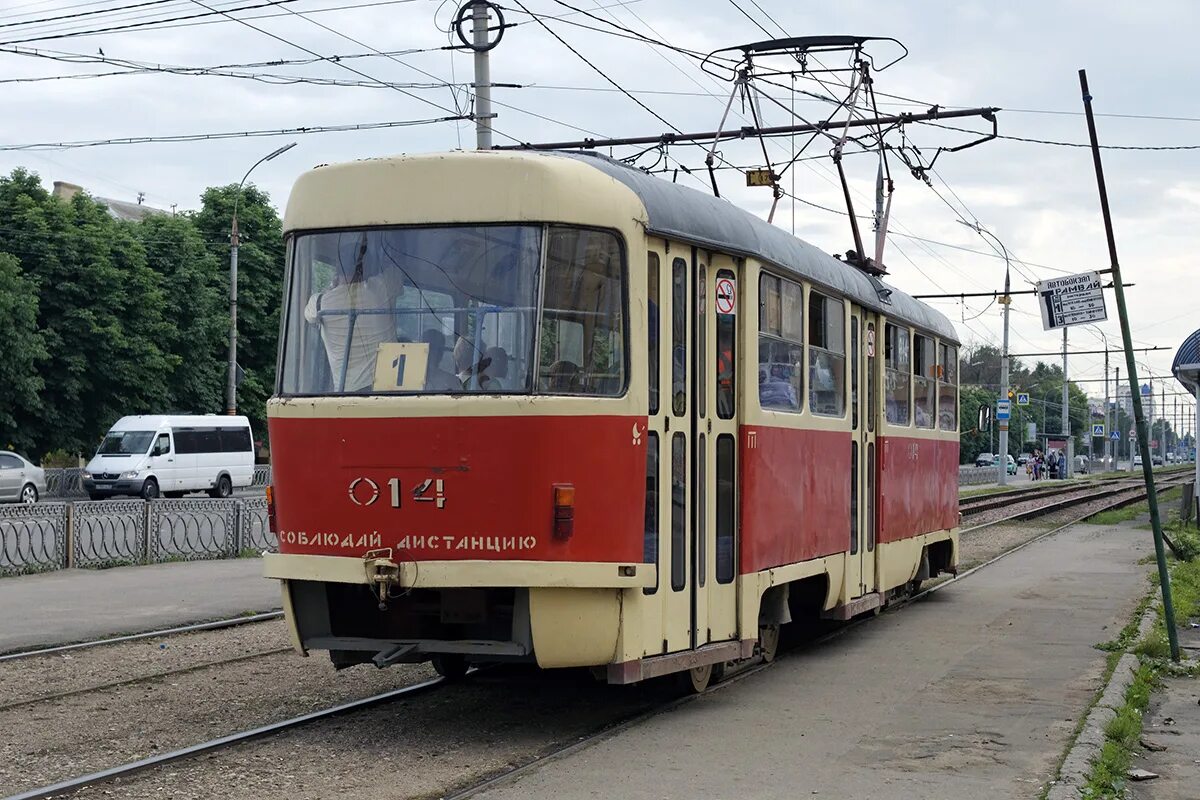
[(336, 311)]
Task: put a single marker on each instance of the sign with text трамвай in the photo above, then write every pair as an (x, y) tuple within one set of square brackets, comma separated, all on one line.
[(1071, 300)]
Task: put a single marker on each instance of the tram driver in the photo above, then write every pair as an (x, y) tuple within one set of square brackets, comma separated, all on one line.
[(354, 315)]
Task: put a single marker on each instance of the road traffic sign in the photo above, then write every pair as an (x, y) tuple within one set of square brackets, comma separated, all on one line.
[(1098, 430), (1003, 409), (1022, 398), (1133, 433), (1115, 436)]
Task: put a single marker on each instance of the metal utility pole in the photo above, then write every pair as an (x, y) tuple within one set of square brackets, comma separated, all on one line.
[(1107, 427), (483, 77), (1069, 450), (1162, 415), (1164, 575), (231, 384), (1006, 301)]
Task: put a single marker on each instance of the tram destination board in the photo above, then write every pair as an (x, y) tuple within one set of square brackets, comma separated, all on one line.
[(1072, 300)]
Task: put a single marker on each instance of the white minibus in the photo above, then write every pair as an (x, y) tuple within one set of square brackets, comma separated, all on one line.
[(172, 455)]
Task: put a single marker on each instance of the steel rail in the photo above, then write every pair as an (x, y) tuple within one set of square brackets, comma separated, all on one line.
[(231, 622), (131, 768), (49, 698), (988, 502), (1139, 492)]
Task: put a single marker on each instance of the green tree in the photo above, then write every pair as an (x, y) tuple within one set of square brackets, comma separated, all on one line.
[(973, 441), (260, 286), (20, 357), (194, 302), (100, 313)]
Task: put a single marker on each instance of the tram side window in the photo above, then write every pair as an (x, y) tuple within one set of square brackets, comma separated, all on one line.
[(582, 342), (726, 508), (897, 375), (726, 358), (650, 535), (652, 321), (678, 512), (924, 381), (948, 387), (780, 343), (826, 355), (679, 270)]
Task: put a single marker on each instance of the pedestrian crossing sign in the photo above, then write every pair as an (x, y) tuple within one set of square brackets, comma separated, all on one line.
[(1022, 398), (1115, 436), (1098, 430)]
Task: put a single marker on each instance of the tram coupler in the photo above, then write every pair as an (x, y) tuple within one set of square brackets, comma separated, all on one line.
[(382, 574)]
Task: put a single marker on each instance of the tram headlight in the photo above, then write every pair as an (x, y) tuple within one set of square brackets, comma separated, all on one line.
[(564, 510)]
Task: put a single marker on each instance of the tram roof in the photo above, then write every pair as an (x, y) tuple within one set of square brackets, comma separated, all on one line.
[(682, 213)]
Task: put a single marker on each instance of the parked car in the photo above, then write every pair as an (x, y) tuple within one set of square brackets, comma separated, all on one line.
[(1156, 461), (21, 481), (1137, 460), (1012, 466), (1023, 459), (1082, 466), (172, 455), (985, 460)]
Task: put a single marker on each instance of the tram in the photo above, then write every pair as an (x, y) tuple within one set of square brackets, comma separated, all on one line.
[(545, 407)]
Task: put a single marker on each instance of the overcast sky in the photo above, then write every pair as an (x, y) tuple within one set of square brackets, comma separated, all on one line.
[(1022, 56)]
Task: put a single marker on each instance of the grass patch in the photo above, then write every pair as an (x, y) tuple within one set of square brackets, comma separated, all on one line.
[(1108, 776), (984, 491), (1136, 510), (1125, 637)]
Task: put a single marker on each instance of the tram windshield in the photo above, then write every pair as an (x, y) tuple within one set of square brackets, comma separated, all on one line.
[(489, 309)]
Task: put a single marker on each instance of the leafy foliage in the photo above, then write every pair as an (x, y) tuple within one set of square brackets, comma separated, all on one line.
[(101, 318)]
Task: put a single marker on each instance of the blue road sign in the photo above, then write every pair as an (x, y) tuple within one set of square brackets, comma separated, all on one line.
[(1098, 430), (1115, 436), (1022, 398), (1003, 409)]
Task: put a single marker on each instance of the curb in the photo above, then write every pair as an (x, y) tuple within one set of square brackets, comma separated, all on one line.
[(1073, 773)]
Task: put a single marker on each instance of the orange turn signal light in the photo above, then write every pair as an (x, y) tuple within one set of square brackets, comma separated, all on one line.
[(271, 509), (564, 510)]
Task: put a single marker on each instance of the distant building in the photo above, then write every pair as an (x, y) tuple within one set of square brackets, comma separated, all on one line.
[(1125, 402), (118, 209)]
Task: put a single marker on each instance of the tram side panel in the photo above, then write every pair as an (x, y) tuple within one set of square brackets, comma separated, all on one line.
[(917, 501), (795, 495)]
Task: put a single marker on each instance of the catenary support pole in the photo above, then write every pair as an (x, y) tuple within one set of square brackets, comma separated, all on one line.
[(1065, 470), (483, 78), (1108, 429), (1003, 447), (1164, 575)]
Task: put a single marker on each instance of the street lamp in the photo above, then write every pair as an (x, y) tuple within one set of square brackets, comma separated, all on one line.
[(1006, 300), (231, 386)]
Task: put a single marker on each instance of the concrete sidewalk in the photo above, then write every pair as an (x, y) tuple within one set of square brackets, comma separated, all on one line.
[(74, 605), (973, 692)]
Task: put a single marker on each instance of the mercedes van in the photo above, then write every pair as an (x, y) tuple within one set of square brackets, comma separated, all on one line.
[(154, 455)]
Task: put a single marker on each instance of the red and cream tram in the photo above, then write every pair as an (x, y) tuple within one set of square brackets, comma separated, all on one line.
[(545, 407)]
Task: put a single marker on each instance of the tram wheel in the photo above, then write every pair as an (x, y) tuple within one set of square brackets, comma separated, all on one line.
[(768, 642), (450, 666), (696, 679)]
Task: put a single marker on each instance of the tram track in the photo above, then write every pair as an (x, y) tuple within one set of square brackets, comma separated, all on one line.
[(1109, 497)]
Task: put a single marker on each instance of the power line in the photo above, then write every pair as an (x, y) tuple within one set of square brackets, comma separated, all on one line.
[(168, 24), (143, 24), (93, 12), (197, 137), (338, 63), (1070, 144)]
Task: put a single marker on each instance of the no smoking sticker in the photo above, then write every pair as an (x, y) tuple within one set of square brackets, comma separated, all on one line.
[(726, 296)]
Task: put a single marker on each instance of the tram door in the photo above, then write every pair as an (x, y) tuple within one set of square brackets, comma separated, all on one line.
[(864, 404), (717, 431)]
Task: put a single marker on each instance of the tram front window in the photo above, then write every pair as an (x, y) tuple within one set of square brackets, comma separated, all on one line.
[(450, 310)]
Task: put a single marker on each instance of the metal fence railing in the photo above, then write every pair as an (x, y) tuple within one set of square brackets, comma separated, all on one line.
[(49, 536), (66, 484)]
